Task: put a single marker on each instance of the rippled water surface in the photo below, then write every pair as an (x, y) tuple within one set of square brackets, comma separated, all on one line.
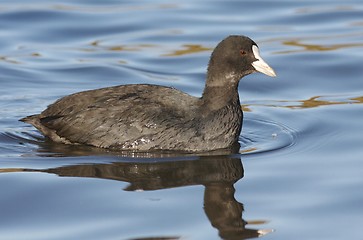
[(299, 171)]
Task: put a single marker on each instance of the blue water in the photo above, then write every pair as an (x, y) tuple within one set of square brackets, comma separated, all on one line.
[(299, 171)]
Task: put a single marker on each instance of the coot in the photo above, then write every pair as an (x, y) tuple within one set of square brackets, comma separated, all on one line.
[(143, 117)]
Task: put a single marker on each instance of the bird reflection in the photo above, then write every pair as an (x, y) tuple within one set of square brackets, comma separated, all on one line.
[(154, 171), (216, 173)]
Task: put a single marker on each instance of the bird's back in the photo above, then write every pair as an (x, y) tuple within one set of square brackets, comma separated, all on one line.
[(139, 117)]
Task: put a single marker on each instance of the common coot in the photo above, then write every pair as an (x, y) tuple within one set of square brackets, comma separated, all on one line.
[(143, 117)]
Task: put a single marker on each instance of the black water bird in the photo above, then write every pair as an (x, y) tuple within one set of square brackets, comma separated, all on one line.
[(144, 117)]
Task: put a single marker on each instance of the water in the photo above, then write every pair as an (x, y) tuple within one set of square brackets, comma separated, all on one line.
[(298, 174)]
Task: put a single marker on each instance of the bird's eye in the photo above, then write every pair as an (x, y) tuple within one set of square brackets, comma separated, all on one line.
[(242, 52)]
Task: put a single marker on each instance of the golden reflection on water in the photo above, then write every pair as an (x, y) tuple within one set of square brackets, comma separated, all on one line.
[(118, 48), (189, 49), (333, 9), (248, 150), (312, 102), (130, 48), (8, 60), (322, 46), (184, 49), (317, 47)]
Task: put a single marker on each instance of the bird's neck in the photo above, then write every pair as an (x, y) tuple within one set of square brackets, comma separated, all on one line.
[(216, 95)]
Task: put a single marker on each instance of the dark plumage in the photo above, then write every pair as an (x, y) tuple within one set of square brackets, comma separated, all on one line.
[(149, 117)]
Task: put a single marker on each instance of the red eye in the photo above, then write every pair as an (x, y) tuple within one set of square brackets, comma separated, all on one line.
[(242, 52)]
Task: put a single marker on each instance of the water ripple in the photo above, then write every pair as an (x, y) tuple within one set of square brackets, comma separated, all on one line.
[(260, 136)]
